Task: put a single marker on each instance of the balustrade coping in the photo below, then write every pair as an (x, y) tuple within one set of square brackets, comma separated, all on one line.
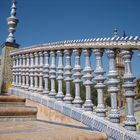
[(128, 42)]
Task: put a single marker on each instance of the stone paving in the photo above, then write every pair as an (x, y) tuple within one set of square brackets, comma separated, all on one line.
[(40, 130)]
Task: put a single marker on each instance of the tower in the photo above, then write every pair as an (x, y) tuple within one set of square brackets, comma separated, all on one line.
[(120, 70), (7, 47)]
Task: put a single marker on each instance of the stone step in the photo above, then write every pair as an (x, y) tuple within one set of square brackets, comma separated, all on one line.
[(18, 111), (18, 118), (13, 108), (12, 99), (12, 104)]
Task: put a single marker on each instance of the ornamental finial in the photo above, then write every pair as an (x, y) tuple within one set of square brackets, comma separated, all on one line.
[(124, 34), (115, 32), (12, 23)]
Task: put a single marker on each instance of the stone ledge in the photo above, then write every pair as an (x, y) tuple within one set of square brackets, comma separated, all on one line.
[(114, 131)]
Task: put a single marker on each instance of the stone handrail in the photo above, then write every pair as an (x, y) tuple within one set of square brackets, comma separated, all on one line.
[(115, 42), (33, 70)]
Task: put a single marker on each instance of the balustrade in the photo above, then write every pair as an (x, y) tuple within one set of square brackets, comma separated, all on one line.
[(88, 106), (60, 94), (52, 73), (68, 98), (113, 86), (19, 70), (33, 70), (23, 71), (16, 71), (77, 102), (13, 71), (130, 121), (27, 71), (46, 72), (36, 71), (99, 78), (40, 73)]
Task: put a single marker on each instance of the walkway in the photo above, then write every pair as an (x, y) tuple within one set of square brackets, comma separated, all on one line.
[(39, 130)]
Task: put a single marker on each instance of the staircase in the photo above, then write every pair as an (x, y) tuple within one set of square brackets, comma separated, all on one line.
[(13, 108)]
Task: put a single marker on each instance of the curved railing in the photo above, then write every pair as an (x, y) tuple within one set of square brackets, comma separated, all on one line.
[(115, 42), (32, 67)]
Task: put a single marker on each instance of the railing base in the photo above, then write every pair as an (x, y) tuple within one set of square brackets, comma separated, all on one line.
[(114, 131)]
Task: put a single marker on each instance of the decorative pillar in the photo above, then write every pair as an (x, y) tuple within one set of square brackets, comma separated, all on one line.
[(31, 71), (27, 71), (40, 73), (19, 70), (99, 78), (7, 47), (16, 71), (77, 79), (12, 22), (46, 72), (130, 121), (60, 94), (36, 71), (113, 86), (68, 98), (88, 106), (13, 72), (53, 74), (23, 71)]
